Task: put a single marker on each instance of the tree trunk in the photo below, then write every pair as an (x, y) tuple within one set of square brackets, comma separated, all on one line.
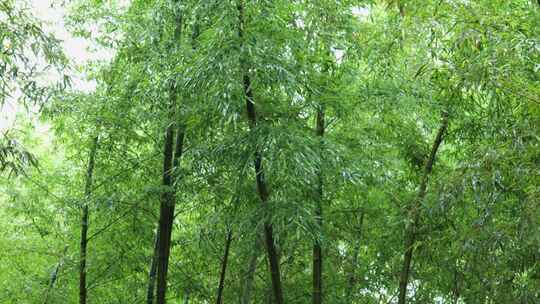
[(165, 217), (224, 268), (152, 273), (167, 209), (262, 189), (411, 230), (171, 161), (455, 290), (269, 294), (317, 249), (84, 222), (186, 297), (401, 9), (249, 276), (354, 262), (54, 276)]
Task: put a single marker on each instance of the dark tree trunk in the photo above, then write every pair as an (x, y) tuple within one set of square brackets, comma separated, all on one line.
[(219, 299), (401, 9), (171, 161), (167, 209), (411, 230), (84, 222), (317, 295), (165, 217), (354, 262), (82, 256), (262, 189), (150, 291)]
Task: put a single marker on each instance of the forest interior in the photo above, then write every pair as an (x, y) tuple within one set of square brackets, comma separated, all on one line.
[(270, 151)]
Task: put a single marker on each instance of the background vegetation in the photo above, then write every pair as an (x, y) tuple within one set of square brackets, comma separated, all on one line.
[(272, 151)]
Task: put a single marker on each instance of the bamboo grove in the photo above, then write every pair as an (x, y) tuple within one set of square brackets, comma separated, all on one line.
[(272, 151)]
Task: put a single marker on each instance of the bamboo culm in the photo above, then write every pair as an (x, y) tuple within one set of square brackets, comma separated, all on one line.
[(84, 222), (412, 227)]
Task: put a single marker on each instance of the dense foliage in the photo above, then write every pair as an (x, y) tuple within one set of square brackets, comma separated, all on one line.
[(274, 151)]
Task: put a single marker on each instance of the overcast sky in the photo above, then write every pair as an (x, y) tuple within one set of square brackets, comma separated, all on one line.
[(77, 49)]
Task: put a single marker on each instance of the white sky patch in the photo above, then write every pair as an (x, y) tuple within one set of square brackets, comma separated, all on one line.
[(7, 115), (79, 50), (339, 54), (361, 12)]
